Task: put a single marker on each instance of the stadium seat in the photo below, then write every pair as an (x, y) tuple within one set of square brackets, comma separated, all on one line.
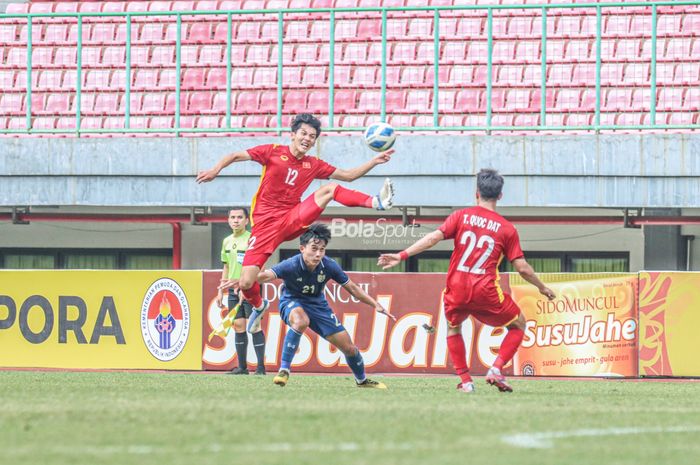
[(12, 104), (317, 103), (240, 78), (219, 103), (266, 77), (200, 33), (403, 52), (418, 101), (469, 101), (247, 102), (106, 104), (153, 104), (97, 79), (151, 33), (200, 102), (193, 78), (294, 101), (314, 76)]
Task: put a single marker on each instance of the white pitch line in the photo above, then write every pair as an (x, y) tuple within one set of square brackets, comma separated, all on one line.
[(545, 439), (143, 449)]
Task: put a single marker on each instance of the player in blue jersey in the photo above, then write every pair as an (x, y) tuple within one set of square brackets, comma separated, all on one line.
[(303, 304)]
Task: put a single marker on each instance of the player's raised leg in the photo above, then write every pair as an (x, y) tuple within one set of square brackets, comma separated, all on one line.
[(298, 321), (354, 359), (384, 200)]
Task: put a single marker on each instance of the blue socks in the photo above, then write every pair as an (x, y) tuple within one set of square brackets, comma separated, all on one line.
[(357, 365), (291, 342)]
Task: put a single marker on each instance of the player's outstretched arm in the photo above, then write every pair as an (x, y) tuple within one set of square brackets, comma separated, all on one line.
[(357, 292), (528, 274), (358, 172), (210, 174), (389, 260)]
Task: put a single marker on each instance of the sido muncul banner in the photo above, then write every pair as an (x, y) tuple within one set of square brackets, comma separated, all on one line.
[(590, 329), (101, 319)]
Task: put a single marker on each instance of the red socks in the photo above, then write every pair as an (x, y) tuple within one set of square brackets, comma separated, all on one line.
[(351, 198), (458, 355), (253, 296), (509, 347)]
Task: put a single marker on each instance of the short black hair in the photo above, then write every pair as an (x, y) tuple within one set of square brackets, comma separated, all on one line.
[(316, 231), (306, 118), (243, 209), (489, 183)]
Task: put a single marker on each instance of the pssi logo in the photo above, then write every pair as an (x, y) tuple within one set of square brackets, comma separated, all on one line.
[(165, 319)]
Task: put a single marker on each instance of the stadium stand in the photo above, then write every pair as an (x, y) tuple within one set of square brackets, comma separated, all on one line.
[(571, 52)]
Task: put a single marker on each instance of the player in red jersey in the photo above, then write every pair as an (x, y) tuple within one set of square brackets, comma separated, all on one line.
[(277, 212), (482, 238)]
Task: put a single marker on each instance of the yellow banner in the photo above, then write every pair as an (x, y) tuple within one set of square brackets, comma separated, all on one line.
[(101, 319), (668, 322), (590, 329)]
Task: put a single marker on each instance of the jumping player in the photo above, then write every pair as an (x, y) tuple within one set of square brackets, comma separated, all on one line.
[(278, 214), (304, 305), (482, 238)]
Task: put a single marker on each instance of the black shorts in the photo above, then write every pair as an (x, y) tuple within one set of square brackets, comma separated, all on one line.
[(244, 310)]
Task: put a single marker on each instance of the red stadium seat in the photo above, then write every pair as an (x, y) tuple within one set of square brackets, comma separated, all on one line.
[(97, 79), (106, 104), (419, 101), (470, 100), (365, 77), (403, 52), (317, 103), (240, 77), (162, 56), (267, 77), (314, 76), (248, 102), (200, 102), (200, 33), (193, 78), (153, 103), (344, 101), (151, 33)]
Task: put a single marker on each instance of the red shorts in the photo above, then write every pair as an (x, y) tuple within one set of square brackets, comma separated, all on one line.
[(268, 233), (499, 314)]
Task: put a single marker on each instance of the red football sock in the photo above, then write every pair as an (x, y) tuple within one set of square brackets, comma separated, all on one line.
[(351, 198), (253, 296), (458, 355), (509, 347)]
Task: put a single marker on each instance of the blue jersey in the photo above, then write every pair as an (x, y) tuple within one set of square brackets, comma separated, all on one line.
[(305, 285)]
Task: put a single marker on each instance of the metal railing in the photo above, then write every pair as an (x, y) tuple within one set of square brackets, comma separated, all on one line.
[(432, 115)]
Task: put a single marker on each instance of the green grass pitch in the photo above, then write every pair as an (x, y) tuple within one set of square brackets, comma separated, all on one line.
[(186, 418)]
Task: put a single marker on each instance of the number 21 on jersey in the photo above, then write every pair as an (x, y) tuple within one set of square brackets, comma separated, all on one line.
[(485, 244)]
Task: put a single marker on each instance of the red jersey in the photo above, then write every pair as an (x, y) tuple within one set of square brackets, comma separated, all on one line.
[(481, 239), (284, 179)]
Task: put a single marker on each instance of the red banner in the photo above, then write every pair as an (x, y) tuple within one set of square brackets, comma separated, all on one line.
[(403, 346)]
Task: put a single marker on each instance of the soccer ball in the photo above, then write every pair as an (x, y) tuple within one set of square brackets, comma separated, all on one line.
[(380, 137)]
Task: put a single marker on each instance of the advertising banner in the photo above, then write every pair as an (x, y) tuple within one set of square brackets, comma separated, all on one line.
[(101, 319), (403, 346), (668, 322), (590, 329)]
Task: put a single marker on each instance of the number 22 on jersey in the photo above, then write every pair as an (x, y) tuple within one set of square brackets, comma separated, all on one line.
[(484, 245)]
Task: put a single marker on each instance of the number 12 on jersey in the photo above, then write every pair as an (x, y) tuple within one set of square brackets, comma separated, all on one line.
[(485, 244)]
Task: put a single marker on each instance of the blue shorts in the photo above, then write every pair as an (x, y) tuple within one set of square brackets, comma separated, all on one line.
[(322, 320)]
